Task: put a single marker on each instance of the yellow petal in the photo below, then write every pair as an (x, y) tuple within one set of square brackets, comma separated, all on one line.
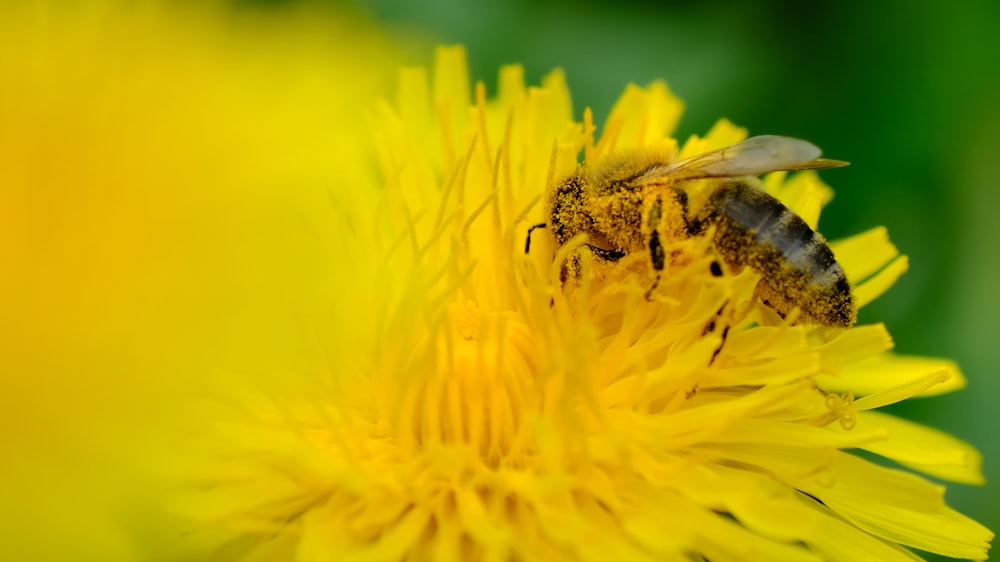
[(801, 435), (854, 345), (641, 116), (850, 478), (326, 537), (889, 370), (923, 448), (726, 540), (804, 193), (863, 254), (872, 263), (722, 134), (902, 392), (879, 283), (944, 531), (897, 506), (451, 96), (838, 540)]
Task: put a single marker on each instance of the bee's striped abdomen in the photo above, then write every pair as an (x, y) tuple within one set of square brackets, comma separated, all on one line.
[(797, 267)]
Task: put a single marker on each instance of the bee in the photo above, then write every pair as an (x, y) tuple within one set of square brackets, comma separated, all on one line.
[(641, 202)]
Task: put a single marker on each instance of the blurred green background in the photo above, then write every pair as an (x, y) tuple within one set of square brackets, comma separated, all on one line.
[(905, 91)]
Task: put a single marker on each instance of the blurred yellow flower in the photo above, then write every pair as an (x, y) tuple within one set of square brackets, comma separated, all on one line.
[(161, 167), (230, 265)]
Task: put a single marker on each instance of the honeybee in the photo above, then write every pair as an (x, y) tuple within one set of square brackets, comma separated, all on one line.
[(640, 202)]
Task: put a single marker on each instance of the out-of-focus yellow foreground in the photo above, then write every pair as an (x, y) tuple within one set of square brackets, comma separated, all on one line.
[(164, 170)]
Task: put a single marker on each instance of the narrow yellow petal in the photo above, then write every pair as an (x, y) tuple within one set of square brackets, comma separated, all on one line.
[(728, 541), (944, 531), (849, 479), (864, 254), (804, 193), (723, 133), (801, 435), (913, 388), (451, 96), (923, 448), (874, 287), (855, 345), (890, 370), (642, 116), (838, 540)]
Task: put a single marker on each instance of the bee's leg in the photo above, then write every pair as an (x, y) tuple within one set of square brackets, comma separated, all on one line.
[(718, 350), (659, 259), (696, 226), (605, 254), (656, 252), (527, 241), (713, 324), (715, 268), (708, 215)]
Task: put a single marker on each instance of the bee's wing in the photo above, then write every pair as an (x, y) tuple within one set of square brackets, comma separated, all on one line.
[(752, 157)]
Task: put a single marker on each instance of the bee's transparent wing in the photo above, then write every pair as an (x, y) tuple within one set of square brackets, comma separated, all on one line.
[(752, 157)]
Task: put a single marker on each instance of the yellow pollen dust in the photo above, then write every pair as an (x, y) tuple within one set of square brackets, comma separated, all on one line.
[(465, 319)]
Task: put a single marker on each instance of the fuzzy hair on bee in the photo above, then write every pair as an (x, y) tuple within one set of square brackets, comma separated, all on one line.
[(640, 202)]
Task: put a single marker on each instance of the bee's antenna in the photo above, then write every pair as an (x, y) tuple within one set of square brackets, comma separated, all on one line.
[(527, 241)]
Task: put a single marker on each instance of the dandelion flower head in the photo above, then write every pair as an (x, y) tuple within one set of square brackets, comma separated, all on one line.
[(471, 405)]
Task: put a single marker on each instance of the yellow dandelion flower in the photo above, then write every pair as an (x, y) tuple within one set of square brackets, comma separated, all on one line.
[(474, 403)]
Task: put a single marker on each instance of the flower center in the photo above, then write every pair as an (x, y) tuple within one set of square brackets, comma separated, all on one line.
[(478, 377)]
